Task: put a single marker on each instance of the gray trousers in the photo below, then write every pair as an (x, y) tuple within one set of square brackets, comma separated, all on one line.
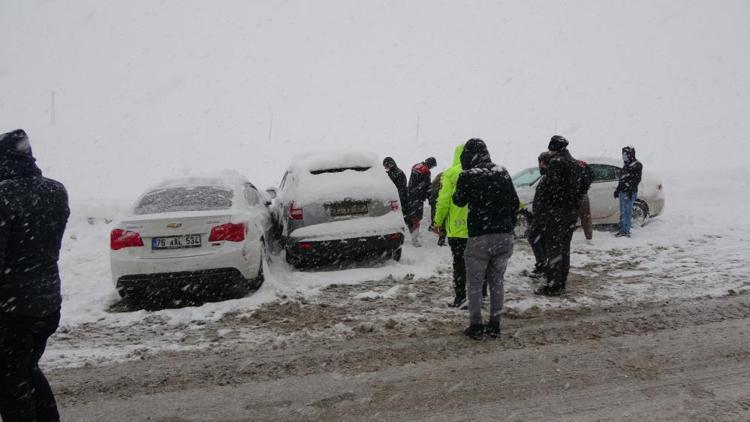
[(486, 257)]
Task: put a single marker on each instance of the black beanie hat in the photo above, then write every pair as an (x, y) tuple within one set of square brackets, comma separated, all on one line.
[(15, 145), (557, 143), (389, 162), (630, 150), (431, 162), (475, 145)]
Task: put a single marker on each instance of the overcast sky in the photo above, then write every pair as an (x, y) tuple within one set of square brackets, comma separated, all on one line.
[(145, 90)]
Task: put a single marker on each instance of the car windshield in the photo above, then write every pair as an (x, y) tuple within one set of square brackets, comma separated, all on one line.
[(339, 170), (194, 198), (526, 177)]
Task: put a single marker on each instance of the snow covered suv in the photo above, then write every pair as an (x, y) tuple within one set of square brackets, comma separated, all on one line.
[(338, 206)]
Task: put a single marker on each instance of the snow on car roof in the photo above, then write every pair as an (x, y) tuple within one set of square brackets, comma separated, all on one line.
[(228, 179), (333, 160)]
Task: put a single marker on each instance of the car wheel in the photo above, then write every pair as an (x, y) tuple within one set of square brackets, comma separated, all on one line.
[(640, 213), (260, 278), (396, 255)]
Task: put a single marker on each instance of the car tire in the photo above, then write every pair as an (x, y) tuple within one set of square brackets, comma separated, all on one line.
[(641, 214), (261, 277)]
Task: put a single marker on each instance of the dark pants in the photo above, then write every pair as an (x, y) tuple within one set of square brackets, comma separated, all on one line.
[(534, 236), (458, 246), (25, 394), (556, 242)]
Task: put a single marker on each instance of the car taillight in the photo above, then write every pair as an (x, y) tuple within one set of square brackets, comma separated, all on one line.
[(394, 236), (230, 232), (394, 205), (294, 212), (119, 239), (305, 245)]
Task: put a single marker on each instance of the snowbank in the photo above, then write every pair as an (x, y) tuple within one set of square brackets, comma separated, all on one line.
[(393, 222)]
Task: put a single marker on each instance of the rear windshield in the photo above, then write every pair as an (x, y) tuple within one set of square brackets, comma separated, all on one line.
[(339, 170), (197, 198)]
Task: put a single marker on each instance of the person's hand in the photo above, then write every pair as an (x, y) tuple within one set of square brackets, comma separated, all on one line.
[(617, 194)]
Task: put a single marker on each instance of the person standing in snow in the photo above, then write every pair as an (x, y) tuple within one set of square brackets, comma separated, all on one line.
[(399, 179), (418, 192), (584, 206), (488, 191), (435, 186), (559, 210), (627, 189), (451, 219), (33, 214), (536, 225)]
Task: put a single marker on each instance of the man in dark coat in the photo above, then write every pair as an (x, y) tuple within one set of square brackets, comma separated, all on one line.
[(627, 189), (536, 225), (399, 179), (418, 192), (559, 211), (33, 214), (493, 204)]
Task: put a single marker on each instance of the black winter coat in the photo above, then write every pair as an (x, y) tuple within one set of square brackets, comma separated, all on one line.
[(493, 203), (630, 178), (419, 190), (33, 214), (559, 194), (399, 179)]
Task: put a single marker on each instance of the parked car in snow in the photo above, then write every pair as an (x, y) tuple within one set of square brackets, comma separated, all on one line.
[(605, 209), (192, 236), (338, 206)]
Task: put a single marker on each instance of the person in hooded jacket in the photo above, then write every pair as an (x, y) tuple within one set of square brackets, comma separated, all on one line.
[(33, 214), (399, 179), (536, 225), (488, 191), (451, 219), (418, 192), (558, 208), (627, 189)]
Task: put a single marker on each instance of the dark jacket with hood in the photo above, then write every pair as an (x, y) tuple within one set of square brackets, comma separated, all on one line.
[(33, 214), (630, 177), (398, 178), (419, 189), (559, 194), (488, 191)]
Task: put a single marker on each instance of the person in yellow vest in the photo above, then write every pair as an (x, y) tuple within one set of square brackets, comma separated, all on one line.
[(451, 219)]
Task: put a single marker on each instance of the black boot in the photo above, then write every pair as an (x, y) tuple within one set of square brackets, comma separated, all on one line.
[(474, 331), (457, 302), (538, 272), (492, 330), (550, 291)]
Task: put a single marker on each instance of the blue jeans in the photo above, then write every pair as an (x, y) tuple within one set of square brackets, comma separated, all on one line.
[(626, 212)]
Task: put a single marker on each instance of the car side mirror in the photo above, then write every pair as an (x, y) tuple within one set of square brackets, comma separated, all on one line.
[(271, 192)]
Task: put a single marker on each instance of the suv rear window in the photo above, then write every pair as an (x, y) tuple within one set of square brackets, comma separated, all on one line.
[(198, 198), (339, 170)]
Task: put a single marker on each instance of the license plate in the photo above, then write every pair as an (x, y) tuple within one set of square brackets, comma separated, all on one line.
[(354, 208), (176, 242)]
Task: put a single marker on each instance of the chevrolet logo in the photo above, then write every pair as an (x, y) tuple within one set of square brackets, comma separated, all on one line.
[(174, 225)]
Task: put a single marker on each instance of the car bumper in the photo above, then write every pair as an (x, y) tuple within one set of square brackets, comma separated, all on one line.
[(187, 284), (330, 251)]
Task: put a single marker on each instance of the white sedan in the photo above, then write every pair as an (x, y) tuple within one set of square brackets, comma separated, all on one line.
[(190, 237), (605, 209)]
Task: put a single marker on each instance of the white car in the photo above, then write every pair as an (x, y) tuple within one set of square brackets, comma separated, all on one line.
[(605, 209), (338, 206), (192, 236)]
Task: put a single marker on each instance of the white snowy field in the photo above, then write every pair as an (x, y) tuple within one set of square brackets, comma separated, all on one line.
[(697, 248)]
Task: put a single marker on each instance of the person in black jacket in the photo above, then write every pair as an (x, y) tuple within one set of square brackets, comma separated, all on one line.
[(418, 192), (558, 209), (627, 189), (399, 179), (493, 204), (33, 214), (536, 225)]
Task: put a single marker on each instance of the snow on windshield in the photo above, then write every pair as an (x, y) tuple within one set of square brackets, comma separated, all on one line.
[(332, 176), (186, 198)]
